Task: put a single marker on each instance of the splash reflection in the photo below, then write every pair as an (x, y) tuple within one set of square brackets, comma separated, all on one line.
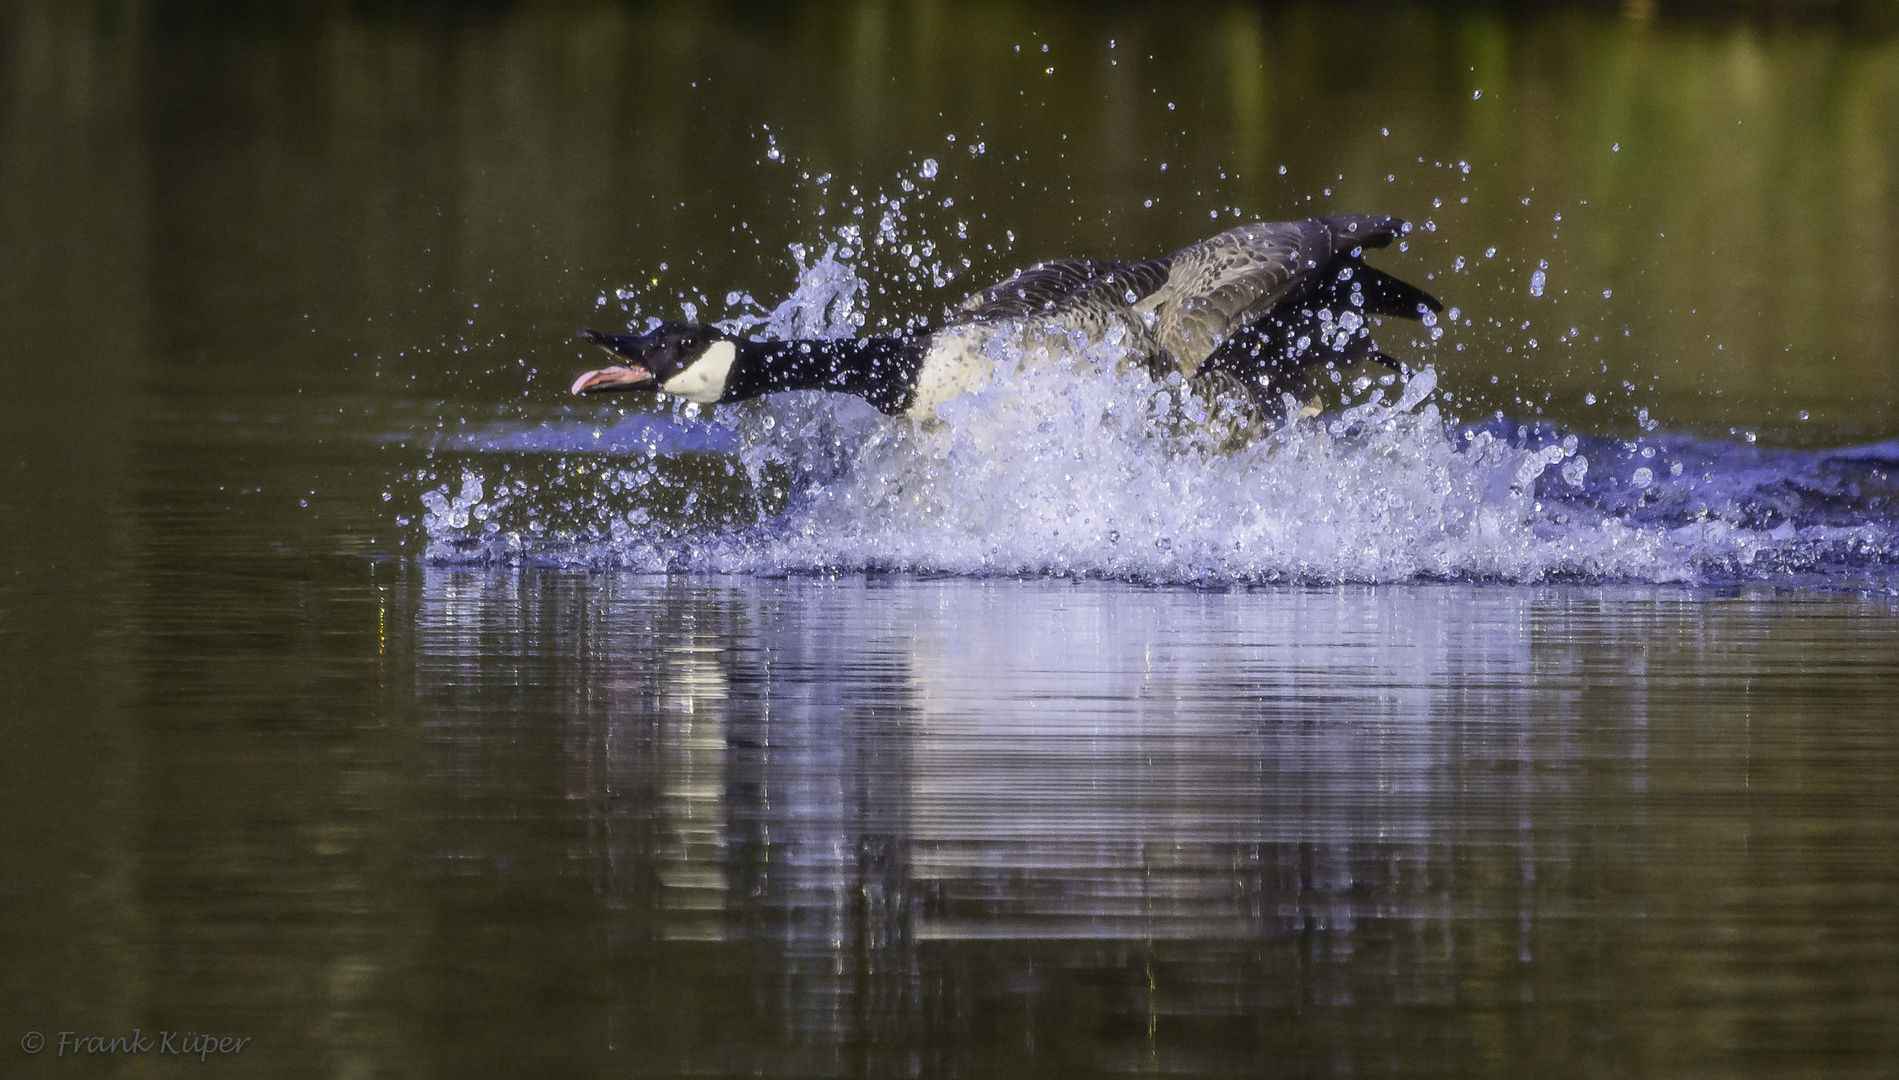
[(1283, 797)]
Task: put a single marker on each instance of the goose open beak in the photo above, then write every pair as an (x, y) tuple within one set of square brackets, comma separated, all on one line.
[(611, 379), (628, 376)]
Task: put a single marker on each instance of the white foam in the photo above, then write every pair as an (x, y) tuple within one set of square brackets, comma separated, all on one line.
[(1066, 471)]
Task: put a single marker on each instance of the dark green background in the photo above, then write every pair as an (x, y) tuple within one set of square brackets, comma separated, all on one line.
[(259, 776)]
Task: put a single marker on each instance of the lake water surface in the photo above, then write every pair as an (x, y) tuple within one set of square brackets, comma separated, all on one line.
[(366, 697)]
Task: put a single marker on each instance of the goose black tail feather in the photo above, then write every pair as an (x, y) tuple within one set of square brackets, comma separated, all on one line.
[(1386, 295)]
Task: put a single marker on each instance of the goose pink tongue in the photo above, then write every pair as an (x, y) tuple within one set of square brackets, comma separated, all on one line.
[(611, 378)]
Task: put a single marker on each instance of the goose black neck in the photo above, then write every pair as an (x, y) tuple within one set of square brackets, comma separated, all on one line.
[(881, 370)]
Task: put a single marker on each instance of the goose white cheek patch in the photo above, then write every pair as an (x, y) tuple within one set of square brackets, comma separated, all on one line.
[(703, 380)]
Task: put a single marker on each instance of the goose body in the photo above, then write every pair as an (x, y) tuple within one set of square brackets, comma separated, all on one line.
[(1260, 305)]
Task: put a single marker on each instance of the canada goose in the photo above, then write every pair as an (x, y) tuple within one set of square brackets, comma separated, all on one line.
[(1260, 304)]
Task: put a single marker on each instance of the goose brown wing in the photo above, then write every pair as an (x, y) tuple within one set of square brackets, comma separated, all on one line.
[(1219, 286), (1060, 285)]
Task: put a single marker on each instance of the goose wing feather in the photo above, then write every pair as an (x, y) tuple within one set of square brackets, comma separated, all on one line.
[(1059, 286), (1217, 287)]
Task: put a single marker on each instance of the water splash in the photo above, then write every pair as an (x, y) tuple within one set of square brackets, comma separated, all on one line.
[(457, 514), (1074, 464)]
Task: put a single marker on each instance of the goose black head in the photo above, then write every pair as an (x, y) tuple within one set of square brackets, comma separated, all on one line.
[(681, 359)]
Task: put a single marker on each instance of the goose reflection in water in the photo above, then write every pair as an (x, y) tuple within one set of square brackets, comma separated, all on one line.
[(1286, 796)]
